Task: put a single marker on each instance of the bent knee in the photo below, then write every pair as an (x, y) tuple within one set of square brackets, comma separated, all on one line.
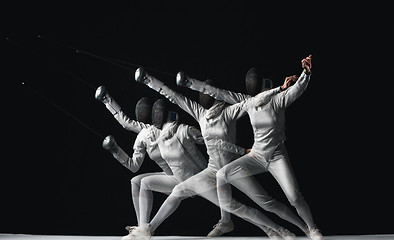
[(135, 181), (180, 192), (177, 191), (146, 184)]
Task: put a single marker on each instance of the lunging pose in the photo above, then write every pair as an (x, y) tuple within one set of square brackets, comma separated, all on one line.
[(217, 122), (176, 145), (268, 152), (144, 143)]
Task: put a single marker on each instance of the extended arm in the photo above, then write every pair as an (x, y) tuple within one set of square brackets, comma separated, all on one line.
[(189, 106), (295, 91), (129, 124), (220, 94)]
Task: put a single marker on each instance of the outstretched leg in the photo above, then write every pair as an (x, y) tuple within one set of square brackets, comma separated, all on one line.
[(204, 185), (282, 171), (167, 208), (239, 173)]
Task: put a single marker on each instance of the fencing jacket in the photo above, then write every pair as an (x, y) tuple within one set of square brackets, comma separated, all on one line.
[(267, 115), (217, 124), (177, 145)]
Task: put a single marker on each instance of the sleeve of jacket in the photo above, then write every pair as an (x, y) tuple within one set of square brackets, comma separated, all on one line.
[(237, 110), (134, 163), (121, 117), (264, 97), (287, 97), (129, 124), (189, 106), (138, 155), (217, 93)]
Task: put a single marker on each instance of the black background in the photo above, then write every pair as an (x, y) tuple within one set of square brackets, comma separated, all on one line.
[(56, 178)]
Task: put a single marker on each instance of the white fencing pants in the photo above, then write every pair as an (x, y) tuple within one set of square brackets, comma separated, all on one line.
[(238, 173), (142, 187), (204, 185)]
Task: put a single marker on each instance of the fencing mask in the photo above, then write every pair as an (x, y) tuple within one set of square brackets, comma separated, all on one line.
[(255, 83), (143, 110), (159, 113), (205, 100)]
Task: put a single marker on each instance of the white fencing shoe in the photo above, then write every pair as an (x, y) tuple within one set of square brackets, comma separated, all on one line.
[(138, 233), (315, 234), (286, 234), (220, 228), (272, 234)]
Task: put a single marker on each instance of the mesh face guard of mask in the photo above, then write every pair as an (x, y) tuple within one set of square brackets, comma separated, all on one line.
[(143, 110), (159, 113)]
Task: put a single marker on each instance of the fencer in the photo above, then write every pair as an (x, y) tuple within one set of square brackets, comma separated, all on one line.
[(177, 144), (217, 123), (268, 152), (145, 142)]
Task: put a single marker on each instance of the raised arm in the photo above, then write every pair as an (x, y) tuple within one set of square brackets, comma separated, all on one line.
[(112, 106), (189, 106), (292, 93), (220, 94)]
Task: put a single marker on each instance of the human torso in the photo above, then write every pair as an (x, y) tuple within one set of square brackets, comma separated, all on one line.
[(149, 136), (268, 128), (218, 128), (181, 155)]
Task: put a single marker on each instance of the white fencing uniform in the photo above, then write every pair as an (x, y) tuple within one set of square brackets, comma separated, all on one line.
[(218, 127), (268, 152), (177, 145), (172, 148), (145, 142)]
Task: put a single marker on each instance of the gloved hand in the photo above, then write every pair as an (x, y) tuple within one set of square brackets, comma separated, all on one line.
[(183, 80), (110, 144), (101, 94), (141, 76)]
